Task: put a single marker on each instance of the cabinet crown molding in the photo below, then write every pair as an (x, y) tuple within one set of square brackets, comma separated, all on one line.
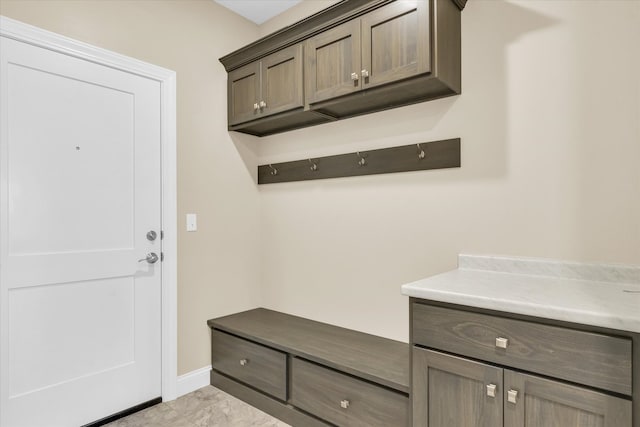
[(330, 17)]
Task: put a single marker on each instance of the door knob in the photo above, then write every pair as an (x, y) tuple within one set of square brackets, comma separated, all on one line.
[(263, 104), (151, 236), (512, 396), (151, 258), (364, 73), (344, 404), (354, 76)]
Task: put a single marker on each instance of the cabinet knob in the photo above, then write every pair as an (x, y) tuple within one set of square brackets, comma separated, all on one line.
[(263, 104), (243, 362), (512, 396), (354, 76), (255, 106), (502, 342), (491, 390), (364, 73), (344, 404)]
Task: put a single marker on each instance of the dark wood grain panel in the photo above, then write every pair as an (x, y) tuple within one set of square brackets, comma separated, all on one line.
[(282, 80), (330, 58), (406, 158), (243, 92), (542, 403), (447, 44), (321, 391), (396, 42), (373, 358), (264, 368), (451, 391), (592, 359)]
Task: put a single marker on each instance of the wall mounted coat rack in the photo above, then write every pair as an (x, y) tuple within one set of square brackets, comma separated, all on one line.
[(414, 157)]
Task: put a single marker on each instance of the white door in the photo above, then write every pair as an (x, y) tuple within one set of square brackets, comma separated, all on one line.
[(79, 190)]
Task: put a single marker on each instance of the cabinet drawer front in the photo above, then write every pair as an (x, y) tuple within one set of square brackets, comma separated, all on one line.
[(325, 393), (253, 364), (583, 357)]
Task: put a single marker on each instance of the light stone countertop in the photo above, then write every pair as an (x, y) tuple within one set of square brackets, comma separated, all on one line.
[(593, 294)]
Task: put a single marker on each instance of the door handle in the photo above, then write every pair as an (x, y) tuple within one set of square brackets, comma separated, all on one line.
[(151, 258)]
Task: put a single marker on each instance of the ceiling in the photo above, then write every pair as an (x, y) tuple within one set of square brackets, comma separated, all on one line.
[(258, 11)]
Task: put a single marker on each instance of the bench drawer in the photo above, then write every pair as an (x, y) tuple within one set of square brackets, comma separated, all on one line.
[(588, 358), (254, 364), (344, 400)]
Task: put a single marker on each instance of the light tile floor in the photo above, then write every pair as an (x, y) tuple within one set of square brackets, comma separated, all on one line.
[(207, 407)]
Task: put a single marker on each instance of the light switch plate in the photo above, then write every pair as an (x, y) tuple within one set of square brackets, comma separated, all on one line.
[(192, 222)]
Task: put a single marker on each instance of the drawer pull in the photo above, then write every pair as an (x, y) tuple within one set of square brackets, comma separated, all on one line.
[(491, 390), (244, 362), (512, 396), (344, 404), (354, 76), (502, 342)]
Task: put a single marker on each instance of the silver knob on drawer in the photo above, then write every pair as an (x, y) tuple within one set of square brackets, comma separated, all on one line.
[(354, 76), (243, 362), (364, 73), (502, 342), (512, 396), (491, 390), (344, 404)]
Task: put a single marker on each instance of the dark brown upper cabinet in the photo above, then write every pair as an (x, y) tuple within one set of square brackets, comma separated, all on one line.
[(360, 56), (269, 86), (384, 46)]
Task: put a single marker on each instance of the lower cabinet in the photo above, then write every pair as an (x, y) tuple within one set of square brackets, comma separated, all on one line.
[(455, 391)]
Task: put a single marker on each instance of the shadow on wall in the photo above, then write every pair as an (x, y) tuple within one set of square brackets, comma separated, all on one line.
[(479, 115)]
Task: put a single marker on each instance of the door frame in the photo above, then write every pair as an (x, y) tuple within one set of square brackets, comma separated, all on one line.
[(26, 33)]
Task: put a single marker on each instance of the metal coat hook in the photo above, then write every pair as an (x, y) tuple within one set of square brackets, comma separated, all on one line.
[(313, 167), (421, 154), (362, 160), (274, 171)]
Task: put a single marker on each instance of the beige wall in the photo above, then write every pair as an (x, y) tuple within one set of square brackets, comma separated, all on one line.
[(549, 121), (217, 268)]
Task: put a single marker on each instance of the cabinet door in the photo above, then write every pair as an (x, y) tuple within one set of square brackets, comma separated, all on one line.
[(243, 88), (332, 60), (545, 403), (396, 42), (282, 87), (451, 391)]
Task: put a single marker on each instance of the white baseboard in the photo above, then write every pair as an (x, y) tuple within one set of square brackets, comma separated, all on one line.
[(193, 380)]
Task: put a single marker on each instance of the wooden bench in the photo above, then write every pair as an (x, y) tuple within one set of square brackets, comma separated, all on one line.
[(308, 373)]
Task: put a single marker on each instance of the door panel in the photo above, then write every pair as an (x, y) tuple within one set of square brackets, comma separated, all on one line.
[(99, 142), (34, 349), (395, 42), (282, 88), (79, 189), (244, 93), (542, 403), (455, 390), (330, 59)]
